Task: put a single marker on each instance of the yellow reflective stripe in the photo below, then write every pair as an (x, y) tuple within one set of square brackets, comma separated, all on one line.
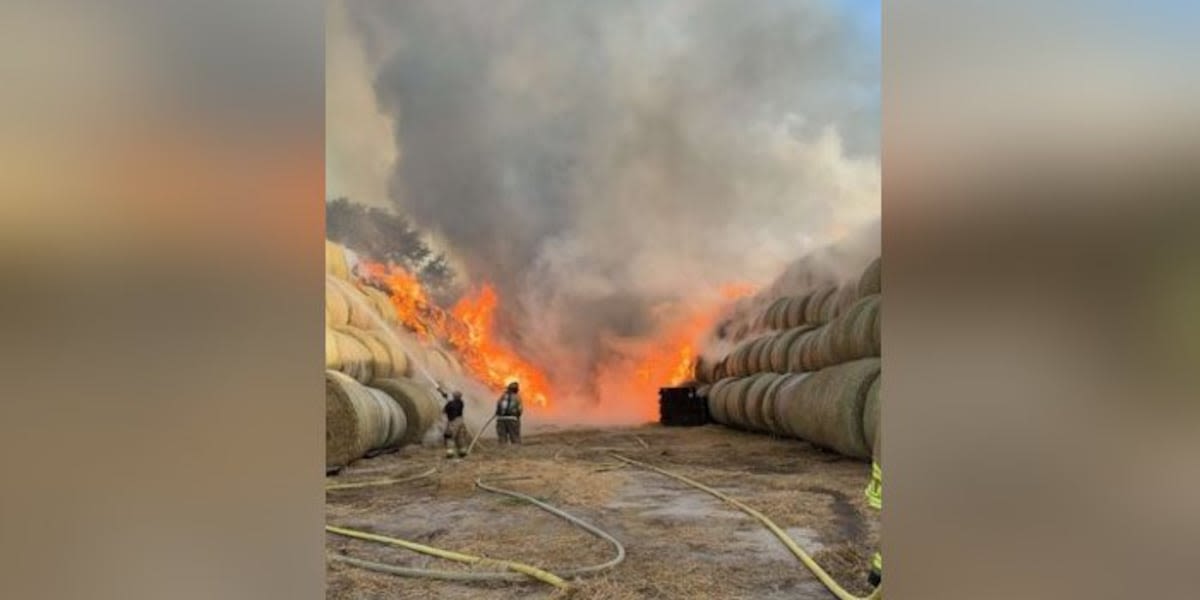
[(874, 491)]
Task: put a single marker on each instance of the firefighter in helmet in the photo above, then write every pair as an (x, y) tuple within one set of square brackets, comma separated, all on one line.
[(508, 415)]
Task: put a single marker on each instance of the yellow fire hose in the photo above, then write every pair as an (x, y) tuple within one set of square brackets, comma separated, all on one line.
[(812, 565), (479, 433), (519, 571)]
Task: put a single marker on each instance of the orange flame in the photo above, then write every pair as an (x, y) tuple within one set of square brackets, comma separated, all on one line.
[(630, 386), (668, 360), (489, 359), (468, 327)]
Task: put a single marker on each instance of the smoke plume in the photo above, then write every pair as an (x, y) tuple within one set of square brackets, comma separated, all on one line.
[(609, 165)]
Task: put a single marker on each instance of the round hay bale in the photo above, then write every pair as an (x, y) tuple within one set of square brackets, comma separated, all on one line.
[(795, 312), (400, 364), (770, 396), (823, 355), (721, 369), (361, 312), (762, 358), (348, 426), (420, 406), (336, 309), (753, 364), (380, 358), (735, 362), (755, 398), (864, 329), (335, 260), (354, 358), (810, 352), (827, 407), (872, 417), (837, 302), (814, 308), (781, 402), (382, 303), (877, 329), (871, 281), (735, 402), (774, 314), (782, 346), (795, 353), (716, 401), (849, 337), (331, 349), (845, 298), (394, 423)]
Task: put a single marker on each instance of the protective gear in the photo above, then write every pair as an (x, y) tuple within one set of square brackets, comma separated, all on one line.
[(508, 416), (456, 432), (457, 395), (514, 387)]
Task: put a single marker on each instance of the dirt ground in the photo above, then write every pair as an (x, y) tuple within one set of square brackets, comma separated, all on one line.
[(681, 542)]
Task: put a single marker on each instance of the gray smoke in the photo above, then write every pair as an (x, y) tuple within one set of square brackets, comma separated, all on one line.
[(605, 164)]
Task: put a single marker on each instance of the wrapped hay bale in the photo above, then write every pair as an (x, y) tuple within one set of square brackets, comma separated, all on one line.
[(349, 429), (354, 358), (826, 408), (335, 260), (337, 311), (871, 281), (394, 423), (872, 417), (420, 406), (779, 404)]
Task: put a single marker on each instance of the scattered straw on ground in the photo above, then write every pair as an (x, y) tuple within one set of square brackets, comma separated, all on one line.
[(681, 543)]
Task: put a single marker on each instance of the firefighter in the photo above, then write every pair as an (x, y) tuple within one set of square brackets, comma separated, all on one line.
[(456, 429), (508, 415)]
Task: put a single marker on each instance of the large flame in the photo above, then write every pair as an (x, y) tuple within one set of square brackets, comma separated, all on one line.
[(486, 356), (469, 327), (628, 386)]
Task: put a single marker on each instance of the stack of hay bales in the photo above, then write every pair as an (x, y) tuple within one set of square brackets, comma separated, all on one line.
[(811, 372), (371, 402)]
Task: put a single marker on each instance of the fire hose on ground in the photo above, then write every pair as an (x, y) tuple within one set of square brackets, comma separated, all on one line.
[(518, 571), (791, 544)]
